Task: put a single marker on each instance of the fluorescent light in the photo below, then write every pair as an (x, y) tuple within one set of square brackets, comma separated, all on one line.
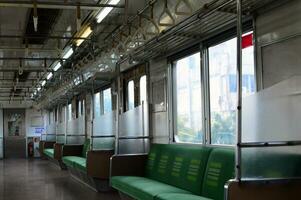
[(84, 34), (68, 54), (57, 66), (105, 11), (43, 83), (49, 76)]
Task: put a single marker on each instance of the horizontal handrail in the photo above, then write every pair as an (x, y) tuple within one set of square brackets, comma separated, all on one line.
[(102, 136), (134, 137), (47, 134), (68, 135), (60, 134), (269, 180), (269, 144)]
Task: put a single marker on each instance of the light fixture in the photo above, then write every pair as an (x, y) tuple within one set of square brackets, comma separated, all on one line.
[(87, 31), (68, 53), (43, 83), (57, 66), (49, 75), (39, 88), (105, 11)]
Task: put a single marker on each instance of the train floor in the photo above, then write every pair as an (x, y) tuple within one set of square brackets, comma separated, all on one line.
[(22, 179)]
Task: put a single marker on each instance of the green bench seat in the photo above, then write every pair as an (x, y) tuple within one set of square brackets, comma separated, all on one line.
[(49, 152), (143, 188), (175, 196), (78, 161), (180, 172)]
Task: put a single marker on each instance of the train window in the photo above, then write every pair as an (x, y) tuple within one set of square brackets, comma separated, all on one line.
[(222, 76), (69, 112), (97, 104), (187, 100), (143, 88), (130, 96), (107, 101)]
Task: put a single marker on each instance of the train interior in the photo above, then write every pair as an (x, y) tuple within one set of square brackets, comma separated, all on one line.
[(150, 99)]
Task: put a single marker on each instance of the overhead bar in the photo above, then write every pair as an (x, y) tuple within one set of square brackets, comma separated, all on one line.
[(14, 69), (44, 36), (57, 5), (29, 58)]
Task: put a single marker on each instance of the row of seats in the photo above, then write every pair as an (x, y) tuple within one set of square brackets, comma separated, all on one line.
[(92, 166), (177, 172), (170, 171)]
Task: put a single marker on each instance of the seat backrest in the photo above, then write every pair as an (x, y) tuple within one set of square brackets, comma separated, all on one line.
[(182, 166), (86, 148), (220, 169)]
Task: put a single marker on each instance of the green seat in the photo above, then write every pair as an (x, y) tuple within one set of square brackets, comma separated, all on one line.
[(175, 196), (169, 169), (143, 188), (70, 160), (49, 152), (220, 169), (80, 164)]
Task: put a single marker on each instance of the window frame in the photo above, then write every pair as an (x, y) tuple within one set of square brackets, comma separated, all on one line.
[(101, 100), (203, 48), (172, 61)]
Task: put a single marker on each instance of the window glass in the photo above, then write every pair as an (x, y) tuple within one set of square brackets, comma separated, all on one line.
[(223, 99), (130, 96), (79, 108), (97, 104), (107, 100), (187, 100), (143, 86)]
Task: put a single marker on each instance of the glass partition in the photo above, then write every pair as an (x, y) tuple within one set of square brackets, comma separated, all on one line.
[(104, 131), (133, 130), (61, 133), (50, 133), (76, 131), (271, 117)]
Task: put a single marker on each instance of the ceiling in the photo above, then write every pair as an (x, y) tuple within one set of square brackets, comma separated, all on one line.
[(27, 55)]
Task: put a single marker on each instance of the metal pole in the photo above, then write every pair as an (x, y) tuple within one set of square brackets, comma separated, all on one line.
[(117, 112), (93, 114), (239, 91), (57, 5)]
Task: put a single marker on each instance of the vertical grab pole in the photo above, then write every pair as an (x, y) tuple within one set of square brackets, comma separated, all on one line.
[(239, 91), (142, 125), (66, 122), (92, 115), (117, 112)]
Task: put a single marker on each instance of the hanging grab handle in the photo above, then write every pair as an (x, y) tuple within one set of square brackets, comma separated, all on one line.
[(167, 12), (186, 5)]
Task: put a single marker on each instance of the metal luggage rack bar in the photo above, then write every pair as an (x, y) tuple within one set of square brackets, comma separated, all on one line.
[(206, 21)]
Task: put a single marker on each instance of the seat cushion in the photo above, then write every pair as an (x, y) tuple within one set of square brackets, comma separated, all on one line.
[(181, 166), (143, 188), (49, 152), (178, 196), (80, 164), (220, 169), (70, 160)]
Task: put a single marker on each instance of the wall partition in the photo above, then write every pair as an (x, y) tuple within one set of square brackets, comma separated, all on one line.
[(61, 132), (133, 134), (271, 138)]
